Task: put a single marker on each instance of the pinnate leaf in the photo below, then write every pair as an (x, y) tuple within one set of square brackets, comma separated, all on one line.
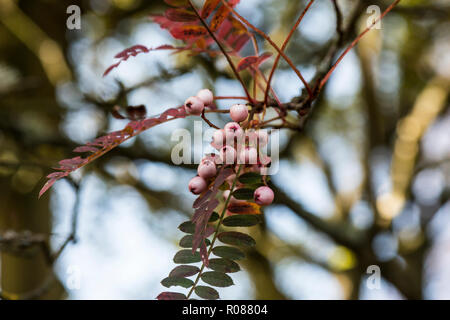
[(236, 238), (208, 8), (177, 281), (228, 252), (180, 15), (217, 279), (184, 32), (187, 227), (219, 17), (186, 241), (223, 265), (206, 292), (184, 271), (214, 217), (250, 178), (244, 208), (171, 296), (186, 256), (244, 194), (241, 220)]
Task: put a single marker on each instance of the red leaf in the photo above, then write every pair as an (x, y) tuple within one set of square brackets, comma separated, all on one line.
[(85, 149), (263, 57), (132, 52), (208, 8), (219, 17), (252, 60), (165, 47), (171, 296), (246, 62), (240, 42), (180, 15), (108, 142), (47, 186), (188, 32)]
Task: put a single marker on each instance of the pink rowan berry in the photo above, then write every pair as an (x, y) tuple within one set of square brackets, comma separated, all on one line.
[(197, 185), (194, 105), (207, 169), (239, 112), (206, 96), (218, 139), (228, 154), (263, 196), (233, 131), (213, 157)]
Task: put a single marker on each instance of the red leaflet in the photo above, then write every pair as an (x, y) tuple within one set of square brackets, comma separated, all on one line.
[(171, 295), (188, 32), (132, 52), (180, 15), (246, 62), (208, 8), (263, 57), (219, 17), (239, 27), (252, 60), (82, 149), (125, 54)]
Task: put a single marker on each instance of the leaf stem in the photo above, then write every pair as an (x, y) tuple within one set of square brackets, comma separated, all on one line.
[(283, 47), (222, 215), (327, 76), (261, 33)]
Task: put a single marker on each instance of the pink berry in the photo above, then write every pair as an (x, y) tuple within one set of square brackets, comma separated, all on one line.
[(239, 112), (213, 157), (207, 169), (218, 139), (206, 96), (263, 138), (197, 185), (194, 105), (263, 196), (248, 155), (228, 155), (233, 131)]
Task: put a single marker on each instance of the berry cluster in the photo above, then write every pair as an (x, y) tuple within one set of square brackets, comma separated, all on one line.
[(236, 146)]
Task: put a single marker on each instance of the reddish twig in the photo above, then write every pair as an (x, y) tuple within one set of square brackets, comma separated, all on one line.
[(212, 125), (230, 62), (327, 76), (261, 33), (283, 47)]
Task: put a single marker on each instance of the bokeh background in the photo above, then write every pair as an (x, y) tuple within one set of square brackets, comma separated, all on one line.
[(366, 183)]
